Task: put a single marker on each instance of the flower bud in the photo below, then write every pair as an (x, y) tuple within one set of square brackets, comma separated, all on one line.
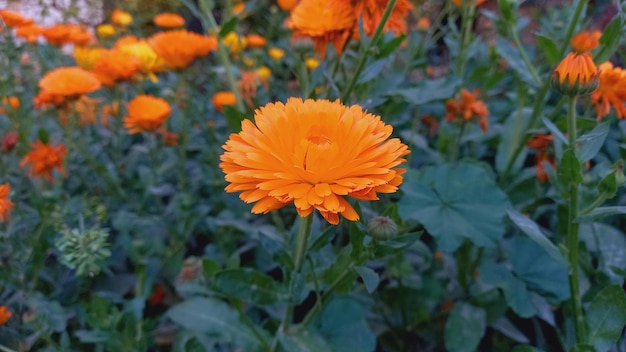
[(576, 75), (382, 228)]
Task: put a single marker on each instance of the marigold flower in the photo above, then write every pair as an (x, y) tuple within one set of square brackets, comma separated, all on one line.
[(12, 101), (576, 74), (276, 53), (87, 57), (44, 158), (586, 41), (264, 73), (150, 61), (312, 153), (542, 143), (466, 106), (223, 98), (168, 20), (9, 141), (324, 21), (311, 63), (180, 47), (69, 82), (371, 11), (146, 113), (5, 212), (80, 36), (121, 17), (14, 19), (45, 98), (105, 30), (29, 32), (458, 3), (247, 85), (116, 65), (287, 5), (234, 42), (238, 9), (64, 33), (611, 91), (5, 314), (255, 41), (423, 24)]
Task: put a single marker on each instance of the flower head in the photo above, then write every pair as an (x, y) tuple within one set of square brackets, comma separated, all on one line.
[(105, 30), (234, 42), (121, 17), (146, 113), (223, 98), (276, 53), (423, 24), (9, 141), (116, 65), (372, 12), (150, 61), (586, 41), (44, 158), (180, 47), (64, 33), (69, 82), (5, 209), (576, 74), (287, 5), (87, 57), (542, 143), (255, 41), (14, 19), (12, 101), (29, 32), (312, 153), (168, 20), (611, 91), (466, 106), (5, 314)]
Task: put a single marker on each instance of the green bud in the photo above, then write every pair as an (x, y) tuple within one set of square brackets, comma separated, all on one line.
[(382, 228)]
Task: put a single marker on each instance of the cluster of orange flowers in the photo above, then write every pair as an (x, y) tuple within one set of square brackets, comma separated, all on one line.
[(6, 205), (542, 143), (467, 106), (333, 21), (5, 315), (59, 34)]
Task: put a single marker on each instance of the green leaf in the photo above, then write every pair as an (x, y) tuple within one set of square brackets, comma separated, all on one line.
[(251, 285), (464, 328), (608, 185), (513, 58), (609, 41), (327, 235), (212, 316), (454, 202), (343, 325), (229, 26), (369, 276), (515, 291), (549, 48), (532, 230), (601, 212), (609, 244), (506, 11), (525, 348), (234, 117), (309, 340), (210, 268), (372, 71), (512, 136), (568, 169), (606, 317), (43, 135), (429, 91), (591, 142), (555, 130), (386, 48)]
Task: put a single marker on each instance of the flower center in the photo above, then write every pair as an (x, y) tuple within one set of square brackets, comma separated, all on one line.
[(320, 141)]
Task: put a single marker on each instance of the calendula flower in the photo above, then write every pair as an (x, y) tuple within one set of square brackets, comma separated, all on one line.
[(255, 41), (69, 82), (116, 65), (105, 31), (371, 12), (58, 34), (44, 158), (234, 42), (459, 3), (247, 85), (87, 57), (48, 99), (611, 91), (223, 98), (13, 102), (276, 53), (576, 74), (264, 73), (5, 314), (423, 24), (466, 106), (150, 61), (14, 19), (311, 63), (169, 20), (542, 143), (121, 17), (287, 5), (313, 154), (146, 113), (180, 47), (80, 36), (586, 41), (238, 9), (324, 21), (29, 32), (6, 205)]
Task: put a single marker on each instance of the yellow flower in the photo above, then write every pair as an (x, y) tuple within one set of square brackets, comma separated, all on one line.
[(105, 30), (276, 53), (264, 72), (87, 57), (311, 63), (234, 42), (576, 75), (121, 18)]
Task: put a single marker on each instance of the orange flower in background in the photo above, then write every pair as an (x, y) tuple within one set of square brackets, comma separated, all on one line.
[(105, 30), (64, 33), (5, 314), (458, 3), (255, 41), (287, 5), (169, 138), (12, 102), (423, 24), (121, 17), (312, 153), (247, 85), (150, 61), (87, 57), (116, 65), (611, 91), (146, 113), (324, 21), (69, 82), (542, 143), (372, 12), (576, 74), (5, 211), (14, 19), (180, 47), (44, 158), (586, 41), (80, 36), (168, 20), (29, 32), (223, 98), (48, 99), (466, 106)]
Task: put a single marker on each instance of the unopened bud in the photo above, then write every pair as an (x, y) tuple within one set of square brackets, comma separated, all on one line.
[(382, 228)]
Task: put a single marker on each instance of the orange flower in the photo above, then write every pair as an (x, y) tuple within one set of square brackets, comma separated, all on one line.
[(5, 211), (576, 74), (431, 123), (324, 21), (45, 98), (247, 85), (611, 91), (423, 24), (146, 113), (29, 32), (61, 34), (80, 36), (121, 18), (467, 106), (169, 138), (586, 41), (44, 158), (69, 82), (168, 20), (12, 101), (372, 12), (312, 153), (150, 61), (255, 41), (542, 143), (180, 47), (287, 5), (223, 98), (116, 65), (5, 314), (458, 3), (14, 19), (87, 57)]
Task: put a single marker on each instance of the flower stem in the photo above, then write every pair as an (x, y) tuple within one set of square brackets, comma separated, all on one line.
[(572, 232), (596, 203), (365, 55), (466, 31), (529, 66)]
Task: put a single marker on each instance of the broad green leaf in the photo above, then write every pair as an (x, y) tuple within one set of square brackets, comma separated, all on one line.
[(610, 245), (506, 10), (568, 169), (429, 91), (515, 292), (601, 212), (532, 230), (343, 325), (454, 202), (608, 185), (369, 276), (549, 49), (513, 135), (386, 48), (212, 316), (327, 235), (210, 268), (251, 285), (464, 328), (506, 327), (513, 58), (372, 71), (309, 340), (606, 317), (609, 41), (229, 26), (554, 129), (590, 143), (234, 117)]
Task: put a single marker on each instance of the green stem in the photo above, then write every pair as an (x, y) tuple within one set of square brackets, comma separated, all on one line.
[(455, 148), (3, 348), (572, 232), (596, 203), (529, 66), (365, 55), (466, 31)]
